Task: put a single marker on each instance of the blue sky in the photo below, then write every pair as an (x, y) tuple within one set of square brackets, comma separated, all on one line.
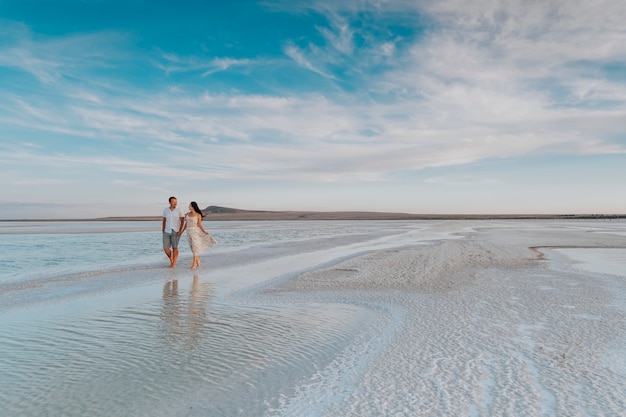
[(109, 107)]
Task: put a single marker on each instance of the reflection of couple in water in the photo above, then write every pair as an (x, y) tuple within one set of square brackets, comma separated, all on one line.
[(184, 317)]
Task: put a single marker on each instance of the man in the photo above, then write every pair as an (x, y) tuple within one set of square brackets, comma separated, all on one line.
[(173, 220)]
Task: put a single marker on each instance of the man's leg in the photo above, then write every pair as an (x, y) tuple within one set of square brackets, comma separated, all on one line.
[(174, 256), (167, 243)]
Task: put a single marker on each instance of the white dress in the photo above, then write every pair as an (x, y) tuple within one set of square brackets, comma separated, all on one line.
[(198, 241)]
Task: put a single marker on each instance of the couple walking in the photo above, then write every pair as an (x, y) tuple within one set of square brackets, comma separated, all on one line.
[(175, 222)]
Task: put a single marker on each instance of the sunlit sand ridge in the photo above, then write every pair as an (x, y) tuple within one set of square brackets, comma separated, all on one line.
[(493, 324)]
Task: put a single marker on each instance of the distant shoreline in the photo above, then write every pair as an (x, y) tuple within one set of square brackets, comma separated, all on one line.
[(249, 215)]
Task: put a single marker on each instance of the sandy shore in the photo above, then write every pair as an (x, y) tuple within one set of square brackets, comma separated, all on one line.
[(495, 323)]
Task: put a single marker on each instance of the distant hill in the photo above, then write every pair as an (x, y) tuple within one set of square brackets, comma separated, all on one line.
[(219, 210), (219, 213), (228, 213)]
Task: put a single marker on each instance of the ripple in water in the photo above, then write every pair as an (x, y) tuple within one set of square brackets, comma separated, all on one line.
[(183, 352)]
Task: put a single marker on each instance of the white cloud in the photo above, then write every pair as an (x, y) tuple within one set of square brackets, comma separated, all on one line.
[(300, 58), (50, 59), (173, 63), (339, 35)]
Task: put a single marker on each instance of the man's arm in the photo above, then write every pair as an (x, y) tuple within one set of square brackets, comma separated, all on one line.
[(181, 228)]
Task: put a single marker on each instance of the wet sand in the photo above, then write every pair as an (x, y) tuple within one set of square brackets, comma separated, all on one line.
[(496, 323)]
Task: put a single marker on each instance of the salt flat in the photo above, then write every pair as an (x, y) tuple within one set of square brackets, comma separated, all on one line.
[(497, 323), (332, 318)]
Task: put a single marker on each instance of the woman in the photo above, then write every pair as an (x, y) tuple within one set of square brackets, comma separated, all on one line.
[(198, 238)]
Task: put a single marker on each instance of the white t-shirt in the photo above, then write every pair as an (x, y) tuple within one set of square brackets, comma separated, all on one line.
[(172, 219)]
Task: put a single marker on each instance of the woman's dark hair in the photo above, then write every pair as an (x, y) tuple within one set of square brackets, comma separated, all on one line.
[(195, 207)]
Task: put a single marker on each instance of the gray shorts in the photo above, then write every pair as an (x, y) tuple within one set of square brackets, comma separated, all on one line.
[(170, 240)]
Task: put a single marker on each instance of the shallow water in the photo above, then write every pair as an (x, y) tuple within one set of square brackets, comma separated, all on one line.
[(95, 324), (40, 250), (164, 349), (602, 260)]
